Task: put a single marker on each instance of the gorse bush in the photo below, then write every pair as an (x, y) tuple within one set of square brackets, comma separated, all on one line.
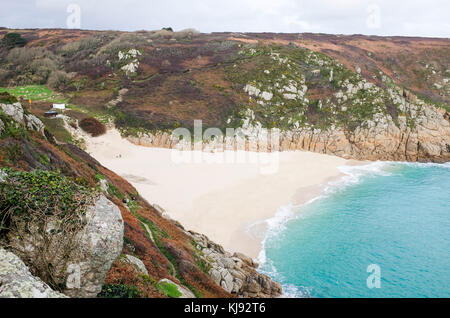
[(11, 40), (92, 126)]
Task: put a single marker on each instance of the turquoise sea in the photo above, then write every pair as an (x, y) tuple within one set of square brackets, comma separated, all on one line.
[(395, 216)]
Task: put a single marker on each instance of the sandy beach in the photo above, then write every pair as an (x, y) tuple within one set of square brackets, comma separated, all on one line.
[(220, 199)]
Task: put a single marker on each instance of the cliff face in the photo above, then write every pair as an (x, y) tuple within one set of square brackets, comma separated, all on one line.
[(362, 97), (80, 213), (427, 140)]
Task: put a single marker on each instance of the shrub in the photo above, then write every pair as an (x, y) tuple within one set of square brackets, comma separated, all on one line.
[(119, 291), (24, 56), (89, 44), (4, 76), (163, 34), (58, 79), (43, 68), (123, 42), (11, 40), (6, 98), (93, 126), (186, 34), (44, 63)]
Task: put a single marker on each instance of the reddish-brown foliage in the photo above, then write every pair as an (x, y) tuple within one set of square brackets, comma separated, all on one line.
[(93, 126)]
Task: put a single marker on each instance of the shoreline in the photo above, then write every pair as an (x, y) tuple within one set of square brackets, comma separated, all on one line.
[(220, 200)]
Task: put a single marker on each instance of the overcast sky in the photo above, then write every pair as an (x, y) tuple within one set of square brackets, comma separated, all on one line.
[(381, 17)]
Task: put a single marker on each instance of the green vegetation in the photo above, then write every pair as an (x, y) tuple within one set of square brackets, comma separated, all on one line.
[(169, 289), (56, 127), (281, 72), (12, 129), (7, 98), (119, 291), (157, 233), (112, 190), (36, 93), (49, 207), (47, 191), (199, 257), (11, 40), (133, 206)]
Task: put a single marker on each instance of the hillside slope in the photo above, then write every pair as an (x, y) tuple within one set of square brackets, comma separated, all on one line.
[(362, 97)]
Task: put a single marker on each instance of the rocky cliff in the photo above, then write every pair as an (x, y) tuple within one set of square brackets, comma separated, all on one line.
[(70, 227), (349, 117), (428, 140)]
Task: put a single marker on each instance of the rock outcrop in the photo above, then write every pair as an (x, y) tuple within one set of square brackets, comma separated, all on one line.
[(101, 243), (426, 139), (95, 248), (16, 280), (34, 123), (236, 273), (136, 262), (16, 112)]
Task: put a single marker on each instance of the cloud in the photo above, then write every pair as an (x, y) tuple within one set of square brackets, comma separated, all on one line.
[(413, 17)]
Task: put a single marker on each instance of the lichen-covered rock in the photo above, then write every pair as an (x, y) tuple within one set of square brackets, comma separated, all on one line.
[(16, 280), (34, 123), (14, 110), (137, 263), (94, 248), (101, 243), (236, 273)]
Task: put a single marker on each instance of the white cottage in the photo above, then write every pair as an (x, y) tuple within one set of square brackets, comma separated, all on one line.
[(59, 106)]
